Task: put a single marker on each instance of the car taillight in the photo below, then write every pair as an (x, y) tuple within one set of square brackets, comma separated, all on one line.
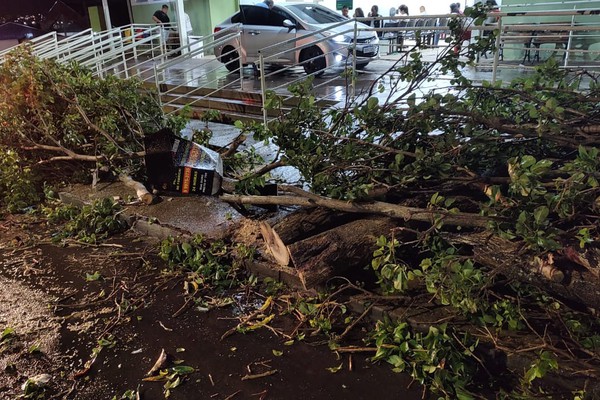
[(217, 29)]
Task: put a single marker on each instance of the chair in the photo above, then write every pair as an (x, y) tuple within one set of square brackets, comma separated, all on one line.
[(401, 34), (558, 37), (523, 38), (441, 33), (428, 33), (391, 36), (410, 34)]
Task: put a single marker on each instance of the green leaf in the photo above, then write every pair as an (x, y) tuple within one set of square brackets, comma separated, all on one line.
[(333, 370), (540, 214), (92, 277), (372, 103), (182, 369), (6, 333)]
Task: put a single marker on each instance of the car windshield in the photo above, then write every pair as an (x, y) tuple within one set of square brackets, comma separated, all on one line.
[(315, 14)]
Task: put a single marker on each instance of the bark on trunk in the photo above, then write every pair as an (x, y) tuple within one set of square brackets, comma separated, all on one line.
[(338, 250), (307, 222)]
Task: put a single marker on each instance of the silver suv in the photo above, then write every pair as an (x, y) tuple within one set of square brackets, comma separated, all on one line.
[(262, 27)]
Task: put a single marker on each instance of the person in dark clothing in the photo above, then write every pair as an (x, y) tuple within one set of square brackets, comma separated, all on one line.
[(162, 18), (376, 23)]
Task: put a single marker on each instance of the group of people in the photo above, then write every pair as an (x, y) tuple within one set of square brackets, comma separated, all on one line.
[(358, 12), (402, 11)]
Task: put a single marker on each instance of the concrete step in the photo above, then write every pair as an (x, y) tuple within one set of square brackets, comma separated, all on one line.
[(231, 94), (220, 104), (228, 117)]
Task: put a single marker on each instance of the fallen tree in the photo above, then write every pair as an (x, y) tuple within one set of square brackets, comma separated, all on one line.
[(485, 196), (490, 199)]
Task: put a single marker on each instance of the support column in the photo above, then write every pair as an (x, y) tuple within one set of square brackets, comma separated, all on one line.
[(106, 11), (183, 35)]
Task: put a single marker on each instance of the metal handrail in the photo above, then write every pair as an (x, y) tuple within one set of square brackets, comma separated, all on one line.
[(267, 54), (505, 31), (189, 52), (36, 43)]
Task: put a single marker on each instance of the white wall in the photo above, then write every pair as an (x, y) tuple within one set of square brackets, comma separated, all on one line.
[(5, 44)]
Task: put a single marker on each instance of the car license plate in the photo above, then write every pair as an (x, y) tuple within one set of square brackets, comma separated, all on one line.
[(369, 49)]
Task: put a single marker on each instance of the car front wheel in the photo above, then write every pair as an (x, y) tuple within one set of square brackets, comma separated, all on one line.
[(362, 65), (231, 58), (313, 61)]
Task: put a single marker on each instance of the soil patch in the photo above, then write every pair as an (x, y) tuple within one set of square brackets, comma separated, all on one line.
[(115, 304)]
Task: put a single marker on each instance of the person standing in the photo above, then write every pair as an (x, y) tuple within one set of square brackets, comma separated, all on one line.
[(188, 24), (266, 4), (162, 18), (375, 23), (392, 19), (403, 10), (466, 34), (345, 11), (358, 13)]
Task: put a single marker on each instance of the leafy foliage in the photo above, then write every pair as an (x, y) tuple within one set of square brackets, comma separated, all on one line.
[(213, 263), (17, 184), (437, 358), (58, 113), (88, 224)]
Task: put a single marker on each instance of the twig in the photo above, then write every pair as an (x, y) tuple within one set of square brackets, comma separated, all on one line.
[(356, 321), (355, 349), (258, 376), (231, 396), (184, 307)]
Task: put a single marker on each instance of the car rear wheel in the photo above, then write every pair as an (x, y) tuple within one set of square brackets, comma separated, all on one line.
[(313, 61), (231, 58)]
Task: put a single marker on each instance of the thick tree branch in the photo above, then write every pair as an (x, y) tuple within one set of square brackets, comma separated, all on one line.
[(380, 208)]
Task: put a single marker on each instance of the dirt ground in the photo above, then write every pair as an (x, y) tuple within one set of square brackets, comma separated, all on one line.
[(59, 301)]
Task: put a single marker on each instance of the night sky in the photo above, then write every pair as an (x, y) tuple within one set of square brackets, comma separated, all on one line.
[(33, 6), (26, 6)]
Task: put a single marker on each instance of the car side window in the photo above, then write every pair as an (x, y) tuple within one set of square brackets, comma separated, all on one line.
[(254, 15), (281, 16), (237, 18)]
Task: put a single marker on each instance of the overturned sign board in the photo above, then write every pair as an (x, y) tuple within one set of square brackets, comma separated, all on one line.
[(175, 164)]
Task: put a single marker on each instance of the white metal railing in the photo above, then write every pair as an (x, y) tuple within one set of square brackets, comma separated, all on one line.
[(141, 50), (38, 44), (528, 39), (194, 69), (318, 52), (129, 51)]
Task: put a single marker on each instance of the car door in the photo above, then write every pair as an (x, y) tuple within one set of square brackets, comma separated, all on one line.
[(263, 28)]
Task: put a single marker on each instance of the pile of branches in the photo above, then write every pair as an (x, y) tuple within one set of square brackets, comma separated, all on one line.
[(516, 164), (482, 196), (64, 118), (472, 194)]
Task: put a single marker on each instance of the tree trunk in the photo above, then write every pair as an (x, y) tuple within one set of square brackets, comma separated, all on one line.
[(307, 222), (338, 250)]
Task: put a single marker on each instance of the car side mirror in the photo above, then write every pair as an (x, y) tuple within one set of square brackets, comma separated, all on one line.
[(289, 24)]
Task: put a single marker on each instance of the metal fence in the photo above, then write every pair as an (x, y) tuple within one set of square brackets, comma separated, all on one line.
[(190, 75)]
